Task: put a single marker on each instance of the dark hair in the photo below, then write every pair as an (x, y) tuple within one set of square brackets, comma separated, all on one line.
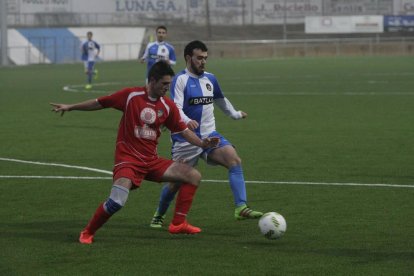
[(161, 27), (159, 70), (89, 33), (195, 44)]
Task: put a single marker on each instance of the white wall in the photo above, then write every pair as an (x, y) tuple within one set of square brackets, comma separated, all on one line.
[(116, 43)]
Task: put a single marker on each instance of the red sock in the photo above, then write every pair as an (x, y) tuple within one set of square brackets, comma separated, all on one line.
[(98, 219), (183, 202)]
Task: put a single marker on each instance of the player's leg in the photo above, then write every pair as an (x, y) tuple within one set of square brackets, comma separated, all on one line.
[(95, 72), (168, 193), (116, 200), (228, 157), (182, 152), (190, 179), (89, 74)]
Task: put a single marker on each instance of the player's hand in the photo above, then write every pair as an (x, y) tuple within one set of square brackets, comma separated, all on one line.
[(244, 114), (211, 142), (60, 108), (192, 125)]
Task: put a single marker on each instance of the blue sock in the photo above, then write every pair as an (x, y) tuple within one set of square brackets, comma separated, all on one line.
[(165, 199), (237, 185), (90, 74)]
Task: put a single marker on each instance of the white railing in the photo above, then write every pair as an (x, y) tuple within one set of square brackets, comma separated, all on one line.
[(239, 49)]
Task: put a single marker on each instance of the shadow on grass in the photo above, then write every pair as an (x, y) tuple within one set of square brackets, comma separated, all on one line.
[(68, 231)]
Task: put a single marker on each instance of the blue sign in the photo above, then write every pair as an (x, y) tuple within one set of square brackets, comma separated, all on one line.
[(402, 23)]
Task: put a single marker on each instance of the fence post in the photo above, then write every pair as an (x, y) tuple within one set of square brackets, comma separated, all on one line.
[(3, 33)]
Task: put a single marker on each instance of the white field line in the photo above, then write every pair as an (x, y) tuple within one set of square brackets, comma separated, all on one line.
[(56, 165), (54, 177), (318, 183), (213, 181), (204, 180)]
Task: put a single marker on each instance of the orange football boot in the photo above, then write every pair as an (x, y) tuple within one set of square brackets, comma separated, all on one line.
[(183, 228)]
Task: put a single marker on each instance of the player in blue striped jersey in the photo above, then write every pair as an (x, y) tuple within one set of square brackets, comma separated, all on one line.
[(194, 91), (90, 51), (159, 50)]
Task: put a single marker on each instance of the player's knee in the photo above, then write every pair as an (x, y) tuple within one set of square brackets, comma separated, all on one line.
[(236, 161), (194, 177), (116, 200), (173, 187)]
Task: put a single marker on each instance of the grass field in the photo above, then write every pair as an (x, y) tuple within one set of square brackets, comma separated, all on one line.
[(320, 132)]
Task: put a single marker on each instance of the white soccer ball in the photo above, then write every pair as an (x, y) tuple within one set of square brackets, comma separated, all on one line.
[(272, 225)]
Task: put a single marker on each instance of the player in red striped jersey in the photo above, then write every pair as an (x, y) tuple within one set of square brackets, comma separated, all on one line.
[(145, 110)]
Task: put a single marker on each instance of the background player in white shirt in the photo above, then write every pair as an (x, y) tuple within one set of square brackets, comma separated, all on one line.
[(90, 51), (194, 91), (159, 50)]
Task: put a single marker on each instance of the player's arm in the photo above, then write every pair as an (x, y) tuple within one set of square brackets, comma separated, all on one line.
[(176, 125), (172, 60), (145, 55), (98, 48), (88, 105), (192, 138), (225, 105)]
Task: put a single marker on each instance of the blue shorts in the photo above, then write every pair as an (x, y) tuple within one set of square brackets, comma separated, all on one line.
[(89, 65)]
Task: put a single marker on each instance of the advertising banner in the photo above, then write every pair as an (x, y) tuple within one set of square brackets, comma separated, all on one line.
[(283, 11), (358, 7), (343, 24), (43, 6), (214, 12), (402, 23), (403, 7)]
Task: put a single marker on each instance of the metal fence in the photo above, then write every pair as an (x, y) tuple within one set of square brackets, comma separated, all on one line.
[(368, 46)]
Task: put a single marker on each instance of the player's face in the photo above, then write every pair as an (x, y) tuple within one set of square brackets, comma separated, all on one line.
[(198, 61), (89, 36), (161, 35), (160, 88)]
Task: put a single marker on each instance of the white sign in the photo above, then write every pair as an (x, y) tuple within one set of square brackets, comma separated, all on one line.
[(404, 7), (44, 6), (343, 24), (283, 11), (358, 7)]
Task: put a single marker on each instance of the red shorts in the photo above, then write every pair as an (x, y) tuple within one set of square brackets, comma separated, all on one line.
[(137, 171)]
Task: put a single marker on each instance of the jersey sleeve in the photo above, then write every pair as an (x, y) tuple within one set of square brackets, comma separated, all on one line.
[(174, 121), (172, 57), (117, 100), (217, 94), (225, 105), (145, 55), (177, 95), (97, 45)]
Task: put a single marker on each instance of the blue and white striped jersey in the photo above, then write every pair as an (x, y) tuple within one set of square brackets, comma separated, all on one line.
[(89, 49), (157, 51), (194, 96)]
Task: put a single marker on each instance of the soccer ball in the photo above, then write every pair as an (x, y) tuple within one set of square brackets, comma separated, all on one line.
[(272, 225)]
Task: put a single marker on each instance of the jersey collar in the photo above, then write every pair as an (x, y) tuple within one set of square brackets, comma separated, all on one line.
[(193, 75), (148, 96)]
